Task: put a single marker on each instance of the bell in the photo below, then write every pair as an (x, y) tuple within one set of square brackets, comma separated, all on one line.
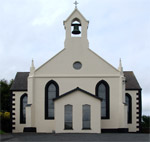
[(76, 29)]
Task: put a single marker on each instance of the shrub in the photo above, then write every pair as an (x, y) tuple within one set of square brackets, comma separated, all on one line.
[(5, 121), (1, 114), (7, 115), (145, 124)]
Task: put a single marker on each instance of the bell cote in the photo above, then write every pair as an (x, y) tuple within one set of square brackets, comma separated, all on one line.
[(76, 25)]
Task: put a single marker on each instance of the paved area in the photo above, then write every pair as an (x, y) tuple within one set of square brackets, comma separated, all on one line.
[(76, 137)]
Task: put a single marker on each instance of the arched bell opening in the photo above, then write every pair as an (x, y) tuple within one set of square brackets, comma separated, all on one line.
[(76, 28)]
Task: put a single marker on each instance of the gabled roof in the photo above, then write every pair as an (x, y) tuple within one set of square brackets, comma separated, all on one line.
[(76, 10), (77, 89), (20, 82), (131, 81)]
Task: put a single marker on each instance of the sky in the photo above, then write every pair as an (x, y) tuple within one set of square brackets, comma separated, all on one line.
[(33, 29)]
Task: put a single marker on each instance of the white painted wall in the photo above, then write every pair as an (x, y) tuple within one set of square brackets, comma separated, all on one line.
[(67, 84), (94, 68), (18, 127), (132, 126), (76, 49), (77, 99), (60, 68)]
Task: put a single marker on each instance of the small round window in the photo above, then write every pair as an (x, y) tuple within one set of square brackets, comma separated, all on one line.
[(77, 65)]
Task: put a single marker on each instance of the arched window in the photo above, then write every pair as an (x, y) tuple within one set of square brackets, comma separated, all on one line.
[(102, 91), (129, 108), (68, 117), (23, 103), (51, 92), (86, 117), (76, 28)]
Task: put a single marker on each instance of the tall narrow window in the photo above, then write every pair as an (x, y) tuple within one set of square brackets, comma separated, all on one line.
[(129, 108), (51, 92), (68, 117), (86, 117), (23, 103), (102, 91)]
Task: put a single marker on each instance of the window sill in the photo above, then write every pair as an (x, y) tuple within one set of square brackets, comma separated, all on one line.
[(22, 122), (49, 118), (86, 128), (69, 129), (105, 118)]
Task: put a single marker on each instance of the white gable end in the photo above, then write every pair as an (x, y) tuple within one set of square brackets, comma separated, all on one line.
[(76, 50), (62, 64)]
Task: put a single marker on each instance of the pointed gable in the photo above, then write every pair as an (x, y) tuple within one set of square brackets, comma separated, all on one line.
[(68, 22), (78, 89), (76, 13), (76, 50)]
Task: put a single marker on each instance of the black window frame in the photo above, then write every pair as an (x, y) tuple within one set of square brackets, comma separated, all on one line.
[(129, 113), (77, 67), (107, 97), (65, 128), (46, 97), (22, 119), (83, 128)]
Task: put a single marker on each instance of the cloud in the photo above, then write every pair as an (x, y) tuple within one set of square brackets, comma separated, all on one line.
[(34, 29), (146, 104)]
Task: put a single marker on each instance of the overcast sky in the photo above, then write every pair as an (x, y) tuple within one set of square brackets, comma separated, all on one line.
[(117, 29)]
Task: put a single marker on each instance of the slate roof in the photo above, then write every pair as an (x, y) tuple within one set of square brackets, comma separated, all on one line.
[(131, 81), (20, 82)]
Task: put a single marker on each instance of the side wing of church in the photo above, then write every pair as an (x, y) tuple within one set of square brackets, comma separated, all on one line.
[(76, 91)]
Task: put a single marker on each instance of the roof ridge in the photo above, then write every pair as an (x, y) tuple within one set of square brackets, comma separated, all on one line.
[(78, 89)]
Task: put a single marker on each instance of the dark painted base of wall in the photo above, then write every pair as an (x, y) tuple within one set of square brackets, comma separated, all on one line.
[(119, 130), (29, 129)]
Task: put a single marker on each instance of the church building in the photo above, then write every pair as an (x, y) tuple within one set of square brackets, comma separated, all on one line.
[(76, 91)]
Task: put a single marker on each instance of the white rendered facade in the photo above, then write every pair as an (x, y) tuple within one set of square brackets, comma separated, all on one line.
[(60, 70)]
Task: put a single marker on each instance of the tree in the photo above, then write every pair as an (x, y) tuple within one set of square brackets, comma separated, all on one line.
[(145, 124), (145, 121), (5, 122), (5, 95)]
